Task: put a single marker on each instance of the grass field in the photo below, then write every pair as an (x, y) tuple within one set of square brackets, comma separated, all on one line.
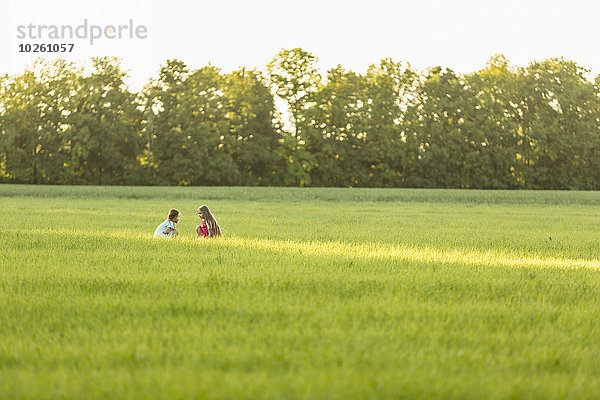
[(311, 293)]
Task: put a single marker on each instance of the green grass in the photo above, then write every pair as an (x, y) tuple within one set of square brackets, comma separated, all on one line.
[(311, 293)]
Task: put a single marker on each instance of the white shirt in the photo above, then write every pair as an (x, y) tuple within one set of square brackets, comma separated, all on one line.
[(160, 230)]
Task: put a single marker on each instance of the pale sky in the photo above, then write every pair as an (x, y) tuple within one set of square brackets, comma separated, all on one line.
[(460, 34)]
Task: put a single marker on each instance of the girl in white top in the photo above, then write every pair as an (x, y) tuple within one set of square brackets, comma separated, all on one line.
[(167, 228)]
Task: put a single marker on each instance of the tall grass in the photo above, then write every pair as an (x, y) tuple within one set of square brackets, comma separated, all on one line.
[(474, 297)]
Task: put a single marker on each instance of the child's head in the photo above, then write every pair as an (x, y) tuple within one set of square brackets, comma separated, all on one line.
[(203, 212), (174, 215)]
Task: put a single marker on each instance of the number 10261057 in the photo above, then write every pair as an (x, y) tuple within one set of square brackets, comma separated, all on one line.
[(46, 48)]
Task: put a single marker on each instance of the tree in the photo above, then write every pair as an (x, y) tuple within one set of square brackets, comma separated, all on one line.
[(103, 137), (33, 109), (335, 131), (294, 76), (437, 121), (389, 152), (496, 121), (190, 128), (561, 121), (255, 143)]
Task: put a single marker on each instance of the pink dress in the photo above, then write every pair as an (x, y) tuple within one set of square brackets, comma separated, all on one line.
[(203, 230)]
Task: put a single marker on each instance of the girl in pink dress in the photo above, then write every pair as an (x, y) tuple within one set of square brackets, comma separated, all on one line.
[(209, 227)]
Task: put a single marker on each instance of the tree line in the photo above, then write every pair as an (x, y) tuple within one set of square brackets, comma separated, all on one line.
[(503, 127)]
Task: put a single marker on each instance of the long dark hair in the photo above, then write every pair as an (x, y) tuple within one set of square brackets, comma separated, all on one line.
[(213, 226)]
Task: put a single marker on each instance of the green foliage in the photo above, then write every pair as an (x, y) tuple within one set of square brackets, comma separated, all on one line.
[(495, 119), (208, 128), (294, 77), (254, 143), (61, 127), (335, 132), (561, 123), (102, 138), (502, 127)]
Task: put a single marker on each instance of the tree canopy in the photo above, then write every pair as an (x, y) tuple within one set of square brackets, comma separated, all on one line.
[(503, 127)]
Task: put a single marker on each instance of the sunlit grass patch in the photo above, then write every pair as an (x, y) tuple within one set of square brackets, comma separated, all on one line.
[(375, 251), (381, 251)]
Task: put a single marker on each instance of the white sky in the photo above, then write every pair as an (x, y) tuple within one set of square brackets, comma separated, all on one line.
[(460, 34)]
